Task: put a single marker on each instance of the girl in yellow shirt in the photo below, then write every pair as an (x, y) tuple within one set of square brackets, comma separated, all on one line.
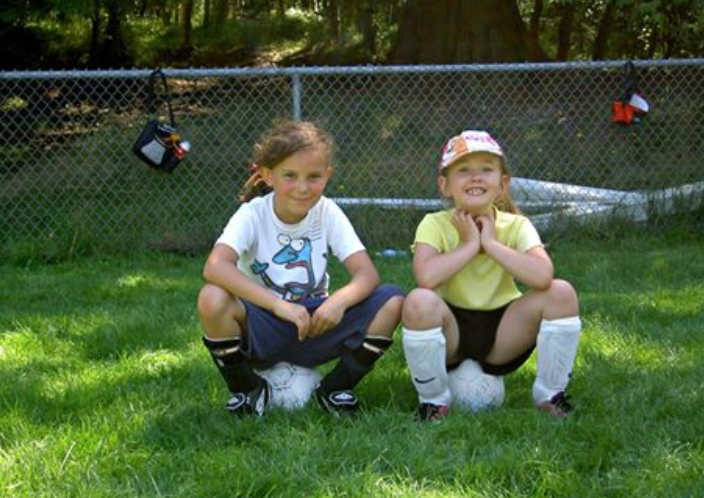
[(467, 306)]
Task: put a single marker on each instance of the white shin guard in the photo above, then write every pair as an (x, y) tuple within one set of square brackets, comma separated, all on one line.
[(557, 347), (425, 354)]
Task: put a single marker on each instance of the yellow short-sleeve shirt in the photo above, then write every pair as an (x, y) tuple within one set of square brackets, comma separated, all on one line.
[(482, 284)]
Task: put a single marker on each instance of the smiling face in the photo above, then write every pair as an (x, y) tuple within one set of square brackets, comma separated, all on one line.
[(298, 183), (474, 182)]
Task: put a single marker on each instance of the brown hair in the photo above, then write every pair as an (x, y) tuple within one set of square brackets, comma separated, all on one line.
[(283, 140), (504, 202)]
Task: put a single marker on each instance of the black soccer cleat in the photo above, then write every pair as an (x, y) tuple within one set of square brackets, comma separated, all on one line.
[(251, 403), (558, 406), (428, 412), (338, 403)]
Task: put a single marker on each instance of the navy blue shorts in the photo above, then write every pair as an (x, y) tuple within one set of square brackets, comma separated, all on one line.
[(270, 339), (477, 336)]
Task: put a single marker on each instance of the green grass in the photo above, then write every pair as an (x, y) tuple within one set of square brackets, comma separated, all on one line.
[(107, 391)]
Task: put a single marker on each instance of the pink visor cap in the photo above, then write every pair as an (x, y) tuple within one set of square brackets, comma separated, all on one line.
[(466, 143)]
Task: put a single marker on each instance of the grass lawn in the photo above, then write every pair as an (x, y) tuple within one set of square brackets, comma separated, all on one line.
[(106, 390)]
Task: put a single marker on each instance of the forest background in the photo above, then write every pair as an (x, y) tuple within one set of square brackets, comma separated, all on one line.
[(75, 34)]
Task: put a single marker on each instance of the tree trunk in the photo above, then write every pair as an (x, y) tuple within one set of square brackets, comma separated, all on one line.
[(114, 49), (457, 31), (603, 32), (564, 31), (333, 15), (187, 24), (534, 26), (220, 11), (206, 14), (366, 25), (94, 33)]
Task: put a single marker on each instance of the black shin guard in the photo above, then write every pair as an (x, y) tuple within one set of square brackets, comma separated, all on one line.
[(354, 365), (233, 365)]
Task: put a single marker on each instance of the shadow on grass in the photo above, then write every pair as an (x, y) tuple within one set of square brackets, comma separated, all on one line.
[(114, 346), (49, 394)]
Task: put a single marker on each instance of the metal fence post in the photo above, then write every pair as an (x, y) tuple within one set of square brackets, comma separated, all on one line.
[(296, 88)]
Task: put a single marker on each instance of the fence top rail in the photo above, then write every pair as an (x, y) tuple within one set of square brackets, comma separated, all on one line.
[(343, 70)]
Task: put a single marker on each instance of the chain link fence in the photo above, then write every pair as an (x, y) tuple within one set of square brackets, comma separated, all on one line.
[(69, 182)]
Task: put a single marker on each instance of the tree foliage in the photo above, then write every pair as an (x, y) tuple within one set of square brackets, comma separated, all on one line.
[(118, 33)]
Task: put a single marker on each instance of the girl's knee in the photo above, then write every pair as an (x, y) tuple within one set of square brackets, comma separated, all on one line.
[(419, 305), (563, 298), (213, 300)]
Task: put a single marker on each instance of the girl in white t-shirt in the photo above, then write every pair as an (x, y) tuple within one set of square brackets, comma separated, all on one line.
[(266, 298), (467, 307)]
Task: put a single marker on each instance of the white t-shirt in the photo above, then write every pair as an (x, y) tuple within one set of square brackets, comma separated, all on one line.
[(291, 260)]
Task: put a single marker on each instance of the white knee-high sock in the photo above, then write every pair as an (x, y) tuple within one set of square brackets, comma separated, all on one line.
[(557, 347), (425, 355)]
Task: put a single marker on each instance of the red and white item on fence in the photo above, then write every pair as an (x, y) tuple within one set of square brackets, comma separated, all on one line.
[(632, 107)]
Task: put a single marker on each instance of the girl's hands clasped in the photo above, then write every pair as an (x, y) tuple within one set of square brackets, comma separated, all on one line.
[(487, 230), (480, 230), (466, 227)]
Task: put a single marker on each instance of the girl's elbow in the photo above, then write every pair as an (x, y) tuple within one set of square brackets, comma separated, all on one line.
[(206, 273), (209, 271), (374, 279), (544, 282), (542, 285), (424, 279), (425, 282), (367, 275)]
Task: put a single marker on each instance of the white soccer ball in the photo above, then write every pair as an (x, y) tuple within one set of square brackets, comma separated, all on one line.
[(291, 385), (473, 389)]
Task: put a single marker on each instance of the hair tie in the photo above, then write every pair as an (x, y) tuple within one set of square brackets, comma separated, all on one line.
[(253, 168)]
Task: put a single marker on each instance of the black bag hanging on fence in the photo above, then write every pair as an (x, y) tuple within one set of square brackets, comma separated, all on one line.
[(160, 145), (631, 107)]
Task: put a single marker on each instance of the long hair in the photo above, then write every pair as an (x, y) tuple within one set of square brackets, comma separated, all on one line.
[(505, 202), (283, 140)]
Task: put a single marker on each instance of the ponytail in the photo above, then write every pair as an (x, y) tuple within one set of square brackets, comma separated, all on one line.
[(507, 204), (255, 186)]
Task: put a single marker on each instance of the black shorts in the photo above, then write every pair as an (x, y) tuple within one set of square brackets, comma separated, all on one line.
[(477, 336)]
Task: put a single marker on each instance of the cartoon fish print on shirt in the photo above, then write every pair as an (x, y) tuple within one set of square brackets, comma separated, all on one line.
[(295, 253)]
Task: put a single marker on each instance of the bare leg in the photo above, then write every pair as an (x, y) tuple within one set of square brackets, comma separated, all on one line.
[(387, 318), (222, 315), (550, 320), (519, 327)]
